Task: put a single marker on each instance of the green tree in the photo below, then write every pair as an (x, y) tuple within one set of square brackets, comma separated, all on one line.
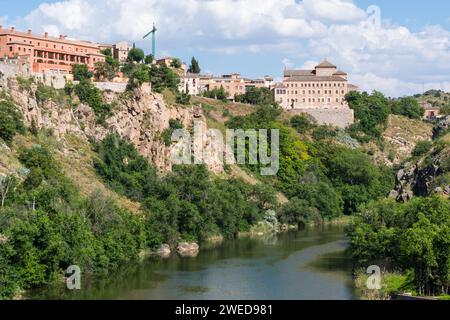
[(139, 76), (89, 94), (81, 72), (136, 55), (258, 96), (371, 113), (104, 71), (11, 121), (422, 147), (162, 77), (149, 59), (176, 63), (194, 67), (107, 52), (301, 123), (408, 107)]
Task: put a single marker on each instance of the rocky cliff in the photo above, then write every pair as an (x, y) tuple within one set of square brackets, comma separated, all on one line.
[(139, 117), (430, 174)]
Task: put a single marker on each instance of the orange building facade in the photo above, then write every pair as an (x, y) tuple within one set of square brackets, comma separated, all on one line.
[(48, 54)]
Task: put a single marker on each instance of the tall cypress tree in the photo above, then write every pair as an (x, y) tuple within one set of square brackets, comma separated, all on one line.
[(194, 67)]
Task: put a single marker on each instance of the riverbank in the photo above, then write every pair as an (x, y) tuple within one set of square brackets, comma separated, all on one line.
[(293, 265), (394, 286)]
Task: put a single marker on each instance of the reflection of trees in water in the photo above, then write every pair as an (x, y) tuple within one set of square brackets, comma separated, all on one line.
[(155, 270), (106, 286)]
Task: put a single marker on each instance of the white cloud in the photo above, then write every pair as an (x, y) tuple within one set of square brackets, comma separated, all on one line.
[(388, 58)]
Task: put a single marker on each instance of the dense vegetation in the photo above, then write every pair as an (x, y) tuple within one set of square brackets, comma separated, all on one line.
[(217, 93), (257, 96), (10, 121), (194, 67), (408, 107), (89, 94), (371, 114), (411, 236), (48, 226), (187, 203), (322, 179)]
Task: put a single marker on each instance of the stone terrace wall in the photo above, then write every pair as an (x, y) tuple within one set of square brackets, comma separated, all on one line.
[(112, 86), (9, 69), (341, 118), (55, 80)]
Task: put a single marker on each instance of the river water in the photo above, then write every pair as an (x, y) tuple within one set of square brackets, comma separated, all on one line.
[(305, 264)]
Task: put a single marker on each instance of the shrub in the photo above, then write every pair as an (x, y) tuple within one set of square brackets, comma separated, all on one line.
[(11, 121), (301, 123), (81, 72), (408, 107), (89, 94), (422, 147), (139, 76)]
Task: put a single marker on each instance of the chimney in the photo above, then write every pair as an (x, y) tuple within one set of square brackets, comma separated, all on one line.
[(29, 31), (46, 34), (1, 27), (13, 29)]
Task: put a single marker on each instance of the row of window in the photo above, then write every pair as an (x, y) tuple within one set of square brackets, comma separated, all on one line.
[(54, 46), (312, 100), (282, 91), (322, 84)]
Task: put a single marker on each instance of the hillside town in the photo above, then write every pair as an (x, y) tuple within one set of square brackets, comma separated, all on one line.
[(155, 179), (319, 92)]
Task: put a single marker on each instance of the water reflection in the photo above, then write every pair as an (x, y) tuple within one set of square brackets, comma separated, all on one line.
[(307, 264)]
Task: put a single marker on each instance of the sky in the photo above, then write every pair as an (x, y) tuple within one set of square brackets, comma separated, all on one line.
[(398, 47)]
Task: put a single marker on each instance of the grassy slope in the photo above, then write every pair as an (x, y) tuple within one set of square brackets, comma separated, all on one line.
[(75, 157), (401, 136)]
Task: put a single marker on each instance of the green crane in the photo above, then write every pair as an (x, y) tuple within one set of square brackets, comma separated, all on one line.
[(153, 33)]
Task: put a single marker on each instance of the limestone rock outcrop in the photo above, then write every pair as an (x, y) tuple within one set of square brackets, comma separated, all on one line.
[(139, 117), (424, 177)]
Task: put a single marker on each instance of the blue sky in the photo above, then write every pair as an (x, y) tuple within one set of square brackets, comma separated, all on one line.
[(257, 38)]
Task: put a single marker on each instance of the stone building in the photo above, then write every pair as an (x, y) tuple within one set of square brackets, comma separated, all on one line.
[(431, 112), (324, 87), (48, 54), (120, 51), (190, 83)]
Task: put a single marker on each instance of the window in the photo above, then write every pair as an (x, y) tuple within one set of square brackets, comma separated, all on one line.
[(343, 91), (304, 100), (10, 49)]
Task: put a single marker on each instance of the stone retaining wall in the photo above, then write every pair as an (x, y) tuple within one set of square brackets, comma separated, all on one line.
[(112, 86), (341, 118)]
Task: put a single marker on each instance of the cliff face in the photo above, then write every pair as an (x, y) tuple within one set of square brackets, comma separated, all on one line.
[(139, 117), (426, 176), (401, 136)]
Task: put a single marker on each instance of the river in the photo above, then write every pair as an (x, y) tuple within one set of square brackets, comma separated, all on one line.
[(305, 264)]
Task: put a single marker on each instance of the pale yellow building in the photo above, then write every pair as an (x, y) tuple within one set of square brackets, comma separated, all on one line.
[(324, 87)]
